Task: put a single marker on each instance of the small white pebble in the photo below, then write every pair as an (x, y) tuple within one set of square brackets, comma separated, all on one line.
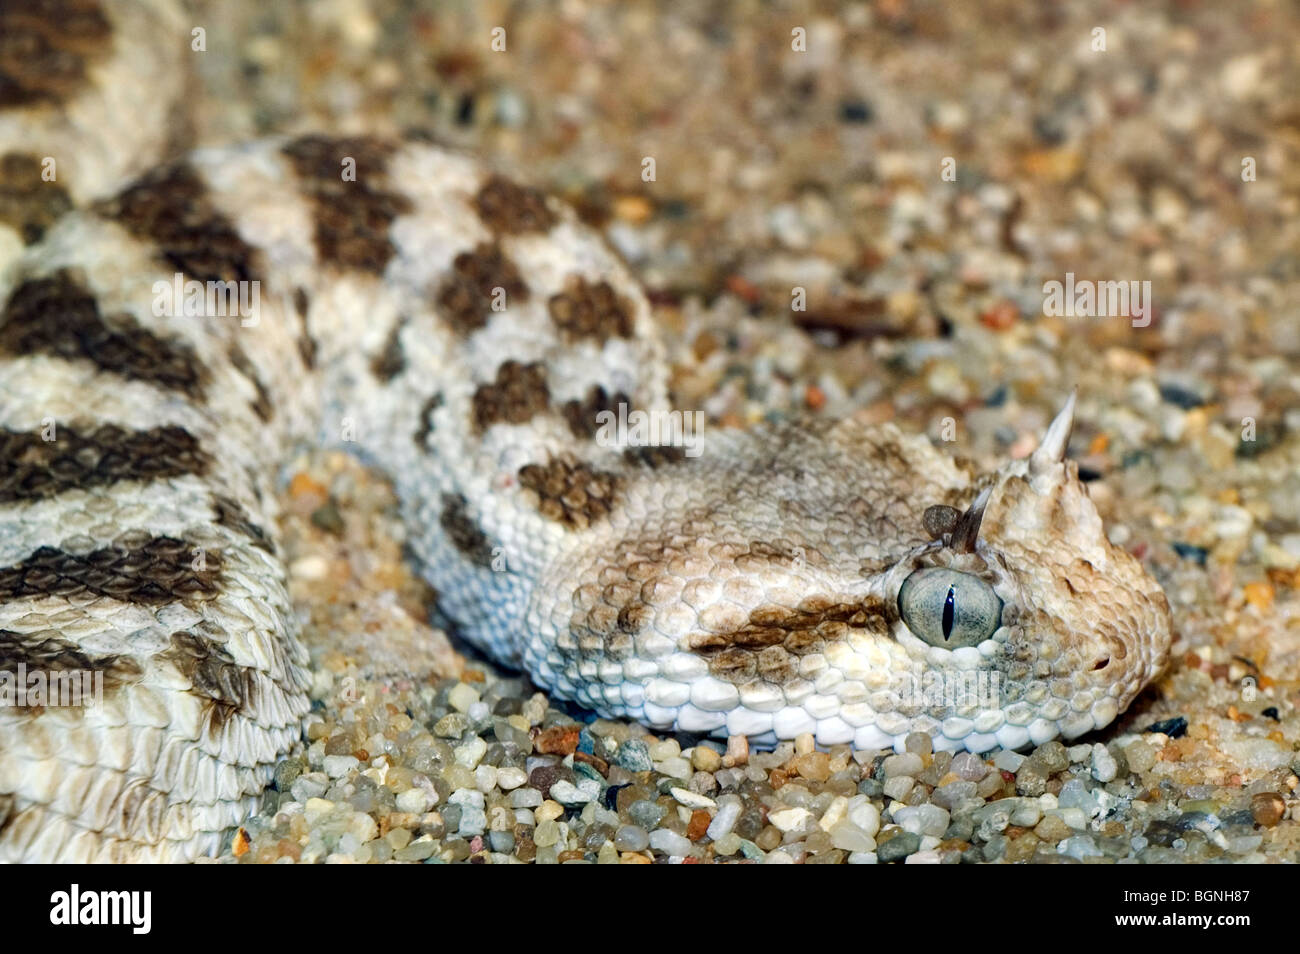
[(337, 766), (666, 749), (1008, 761), (692, 799), (729, 808), (466, 796), (566, 793), (669, 842), (485, 778), (511, 778), (362, 827), (675, 767), (804, 744), (790, 819), (864, 815), (462, 696), (835, 813), (316, 809), (1104, 766), (849, 837), (413, 801), (471, 753)]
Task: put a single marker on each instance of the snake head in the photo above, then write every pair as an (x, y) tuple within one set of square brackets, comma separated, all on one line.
[(1025, 587)]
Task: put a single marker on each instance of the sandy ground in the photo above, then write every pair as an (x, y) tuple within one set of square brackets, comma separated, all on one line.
[(920, 170)]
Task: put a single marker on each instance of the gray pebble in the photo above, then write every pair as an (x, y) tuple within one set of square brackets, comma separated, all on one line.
[(898, 847)]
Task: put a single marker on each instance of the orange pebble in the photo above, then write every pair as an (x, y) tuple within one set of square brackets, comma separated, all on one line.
[(1001, 316), (1259, 595)]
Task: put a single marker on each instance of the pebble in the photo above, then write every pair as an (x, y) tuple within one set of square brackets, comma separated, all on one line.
[(525, 798), (1008, 761), (509, 778), (338, 766), (631, 838), (705, 759), (546, 833), (471, 753), (814, 766), (922, 819), (646, 813), (549, 811), (307, 787), (413, 801), (1104, 766), (462, 696), (908, 764), (473, 821), (1267, 808), (1052, 829), (1080, 847), (691, 799), (675, 766), (669, 842), (898, 847), (899, 788), (634, 756), (968, 766), (790, 819), (1050, 757), (566, 793), (1141, 756)]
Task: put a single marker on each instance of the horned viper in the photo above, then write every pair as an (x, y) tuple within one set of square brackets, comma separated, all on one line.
[(166, 333)]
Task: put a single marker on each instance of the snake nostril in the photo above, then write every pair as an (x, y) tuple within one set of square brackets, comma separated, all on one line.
[(1101, 663)]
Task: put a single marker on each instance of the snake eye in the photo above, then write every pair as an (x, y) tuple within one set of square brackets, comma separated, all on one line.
[(949, 609)]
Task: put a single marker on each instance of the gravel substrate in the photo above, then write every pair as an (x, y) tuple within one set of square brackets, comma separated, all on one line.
[(925, 305)]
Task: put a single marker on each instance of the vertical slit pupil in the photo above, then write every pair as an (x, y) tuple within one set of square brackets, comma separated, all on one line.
[(949, 609)]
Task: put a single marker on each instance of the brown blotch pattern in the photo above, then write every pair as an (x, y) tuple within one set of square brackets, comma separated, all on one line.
[(512, 209), (425, 427), (49, 653), (307, 347), (261, 403), (587, 310), (34, 469), (465, 296), (655, 456), (580, 415), (391, 360), (27, 202), (769, 645), (352, 217), (570, 491), (230, 513), (57, 316), (137, 568), (464, 534), (46, 48), (170, 206), (226, 687), (518, 393)]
